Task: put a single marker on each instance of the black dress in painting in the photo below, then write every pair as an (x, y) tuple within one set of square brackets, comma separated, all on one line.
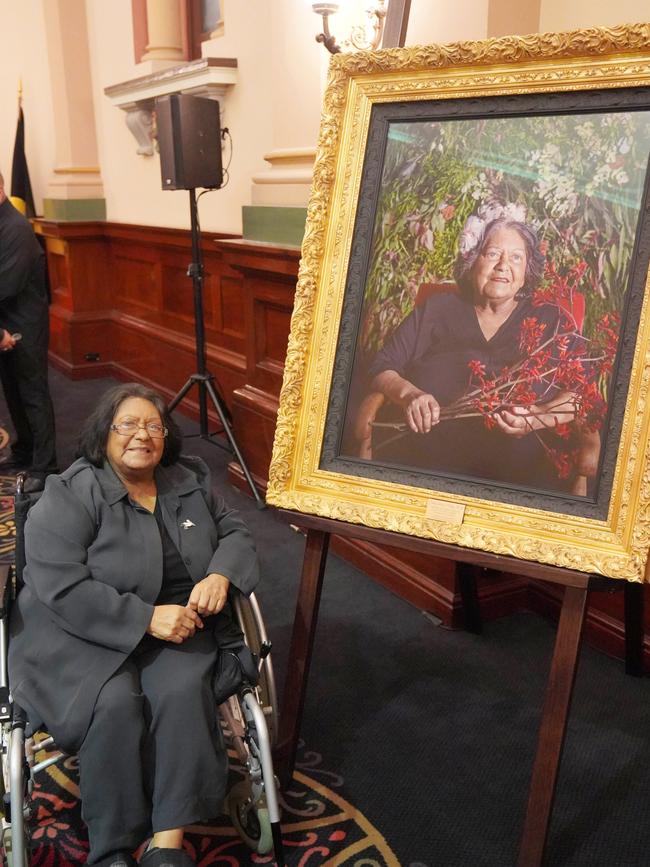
[(432, 348)]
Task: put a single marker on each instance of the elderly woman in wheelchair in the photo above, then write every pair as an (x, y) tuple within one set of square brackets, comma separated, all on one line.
[(114, 638)]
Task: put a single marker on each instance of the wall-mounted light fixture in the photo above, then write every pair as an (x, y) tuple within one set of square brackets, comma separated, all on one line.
[(362, 36)]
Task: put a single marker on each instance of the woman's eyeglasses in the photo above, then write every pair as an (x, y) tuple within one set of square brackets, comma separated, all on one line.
[(130, 428)]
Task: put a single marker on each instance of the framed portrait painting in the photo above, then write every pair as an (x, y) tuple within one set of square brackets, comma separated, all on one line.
[(468, 359)]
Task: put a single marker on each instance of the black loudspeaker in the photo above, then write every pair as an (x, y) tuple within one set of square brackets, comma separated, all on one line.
[(189, 138)]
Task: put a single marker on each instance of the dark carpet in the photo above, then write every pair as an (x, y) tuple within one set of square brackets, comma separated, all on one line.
[(418, 741)]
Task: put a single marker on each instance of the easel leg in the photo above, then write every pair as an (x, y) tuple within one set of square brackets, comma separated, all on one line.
[(634, 598), (466, 577), (553, 727), (300, 651)]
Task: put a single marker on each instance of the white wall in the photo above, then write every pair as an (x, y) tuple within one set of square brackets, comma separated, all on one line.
[(275, 104), (24, 54), (558, 15), (451, 21), (296, 64), (131, 182)]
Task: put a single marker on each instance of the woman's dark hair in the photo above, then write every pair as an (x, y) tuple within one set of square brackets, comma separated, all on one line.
[(96, 428), (534, 258)]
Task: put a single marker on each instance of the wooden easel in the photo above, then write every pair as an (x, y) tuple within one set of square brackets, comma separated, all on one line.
[(563, 665), (567, 643)]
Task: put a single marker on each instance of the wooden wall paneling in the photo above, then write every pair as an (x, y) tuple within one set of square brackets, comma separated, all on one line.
[(165, 359), (427, 583), (269, 277), (268, 274), (160, 357), (81, 344), (88, 263), (230, 316), (79, 320), (136, 278), (58, 272), (110, 272), (82, 246), (224, 304), (172, 350), (254, 417), (500, 593), (272, 305), (604, 625), (177, 294), (159, 236)]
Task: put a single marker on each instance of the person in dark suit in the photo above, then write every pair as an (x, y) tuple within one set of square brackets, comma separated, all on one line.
[(23, 361), (129, 563)]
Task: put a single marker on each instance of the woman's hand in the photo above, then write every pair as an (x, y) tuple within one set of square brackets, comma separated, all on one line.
[(517, 421), (209, 595), (174, 623), (8, 341), (422, 410)]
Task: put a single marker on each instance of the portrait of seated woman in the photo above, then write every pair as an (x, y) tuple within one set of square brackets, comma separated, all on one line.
[(458, 344)]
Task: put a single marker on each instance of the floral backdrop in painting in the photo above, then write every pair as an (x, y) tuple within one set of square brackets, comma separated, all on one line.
[(579, 179)]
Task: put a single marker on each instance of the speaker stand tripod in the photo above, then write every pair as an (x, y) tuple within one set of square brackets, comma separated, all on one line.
[(202, 378)]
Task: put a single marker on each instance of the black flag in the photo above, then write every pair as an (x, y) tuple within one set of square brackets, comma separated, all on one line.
[(21, 187)]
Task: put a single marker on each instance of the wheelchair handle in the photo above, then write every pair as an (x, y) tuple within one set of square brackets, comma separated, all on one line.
[(263, 652)]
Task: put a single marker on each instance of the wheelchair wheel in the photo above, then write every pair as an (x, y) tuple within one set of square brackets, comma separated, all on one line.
[(252, 625), (251, 820)]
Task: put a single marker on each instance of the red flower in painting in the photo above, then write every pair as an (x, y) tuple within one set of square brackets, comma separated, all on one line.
[(477, 369), (530, 334), (562, 346), (563, 461), (571, 374), (563, 431)]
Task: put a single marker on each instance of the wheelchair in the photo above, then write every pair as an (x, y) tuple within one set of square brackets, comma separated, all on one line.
[(248, 720)]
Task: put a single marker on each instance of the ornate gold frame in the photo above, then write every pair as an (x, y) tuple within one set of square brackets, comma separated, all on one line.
[(598, 58)]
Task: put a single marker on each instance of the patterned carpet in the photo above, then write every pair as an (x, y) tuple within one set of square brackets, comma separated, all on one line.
[(318, 825), (7, 528)]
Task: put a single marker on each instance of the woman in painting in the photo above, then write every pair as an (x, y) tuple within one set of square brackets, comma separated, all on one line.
[(456, 344)]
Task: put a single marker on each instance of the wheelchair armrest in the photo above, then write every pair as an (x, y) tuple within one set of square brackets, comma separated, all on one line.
[(5, 588), (366, 414), (586, 461), (588, 453)]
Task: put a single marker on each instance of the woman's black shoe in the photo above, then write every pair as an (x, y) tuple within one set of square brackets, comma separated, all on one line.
[(12, 463), (117, 859), (166, 858)]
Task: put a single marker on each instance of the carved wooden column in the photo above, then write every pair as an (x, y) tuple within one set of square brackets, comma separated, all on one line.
[(269, 281)]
